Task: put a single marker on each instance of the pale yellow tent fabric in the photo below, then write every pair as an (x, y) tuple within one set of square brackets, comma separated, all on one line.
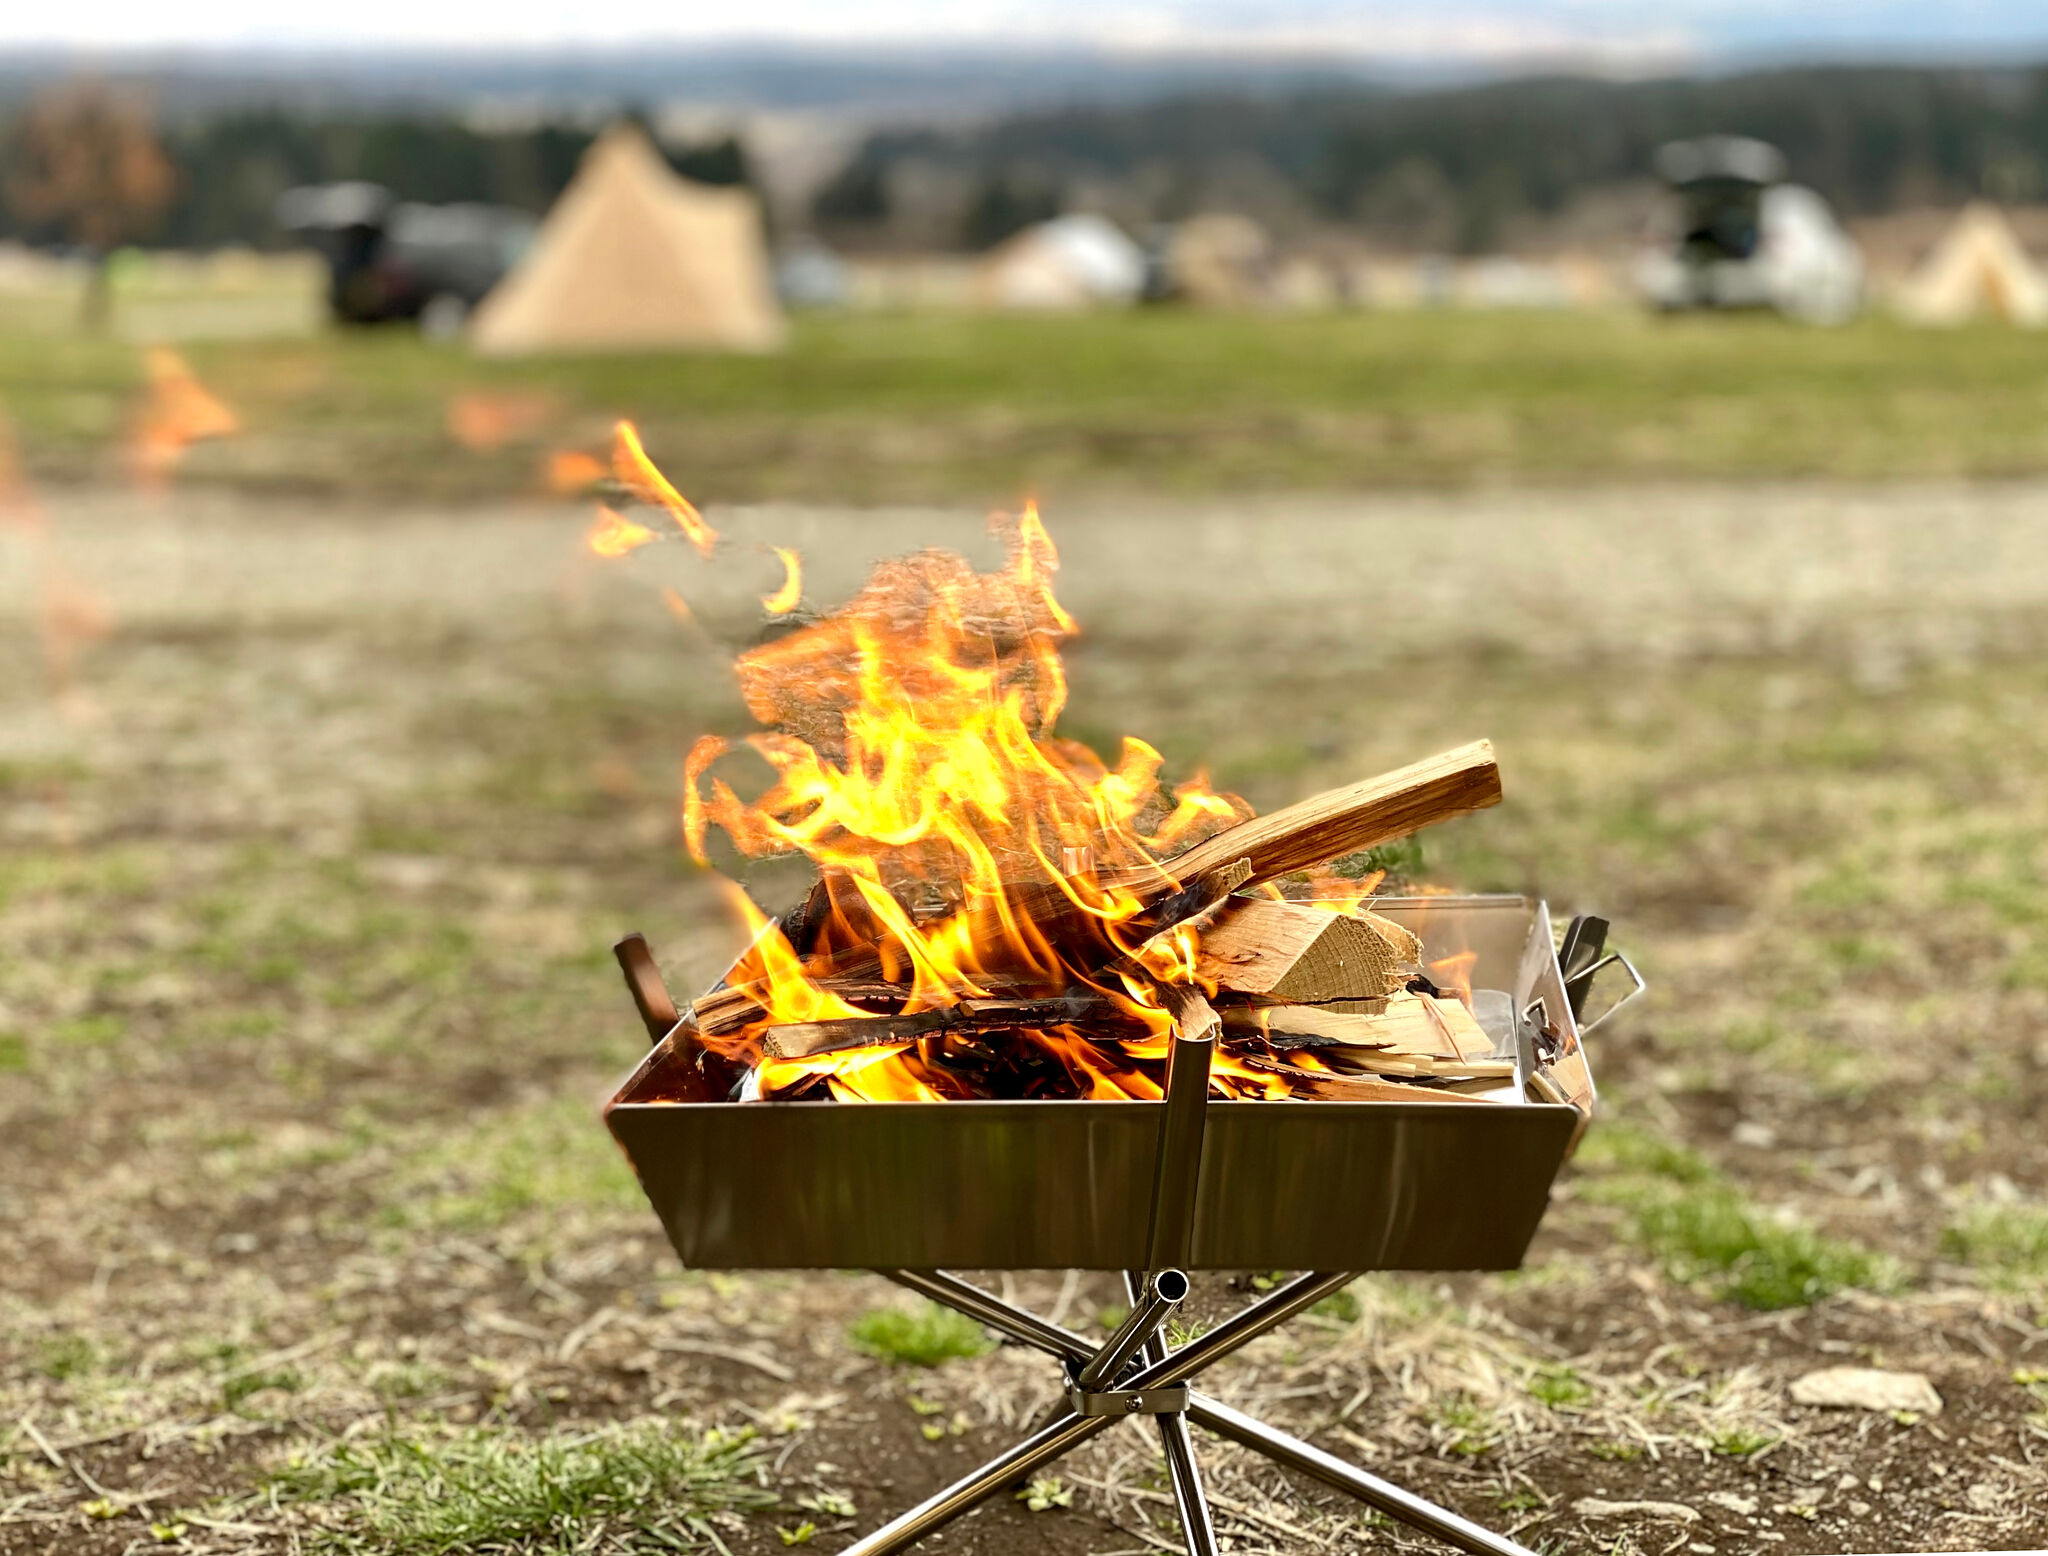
[(633, 257), (1978, 267), (1220, 259)]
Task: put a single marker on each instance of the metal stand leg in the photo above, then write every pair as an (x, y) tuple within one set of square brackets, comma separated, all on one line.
[(1384, 1495), (1196, 1528), (963, 1496), (1162, 1368)]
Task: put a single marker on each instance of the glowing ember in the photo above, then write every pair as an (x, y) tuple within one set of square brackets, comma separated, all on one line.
[(178, 412), (571, 471), (614, 534), (482, 422), (784, 600)]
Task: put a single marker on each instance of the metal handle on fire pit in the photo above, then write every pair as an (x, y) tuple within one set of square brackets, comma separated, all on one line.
[(1180, 1151), (1175, 1182), (1580, 961), (1612, 959), (643, 981)]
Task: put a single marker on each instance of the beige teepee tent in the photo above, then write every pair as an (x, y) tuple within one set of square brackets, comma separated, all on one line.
[(1978, 267), (633, 257)]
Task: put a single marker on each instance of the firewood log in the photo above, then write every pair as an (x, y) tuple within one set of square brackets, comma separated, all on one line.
[(802, 1039), (1298, 954), (1412, 1024), (1354, 1088), (1346, 820)]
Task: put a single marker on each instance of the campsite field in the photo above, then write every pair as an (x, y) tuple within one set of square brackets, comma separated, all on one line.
[(955, 407), (310, 1239)]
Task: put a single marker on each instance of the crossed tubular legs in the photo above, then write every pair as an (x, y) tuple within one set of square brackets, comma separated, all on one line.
[(1162, 1368)]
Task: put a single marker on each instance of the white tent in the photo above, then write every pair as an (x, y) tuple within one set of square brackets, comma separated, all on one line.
[(1075, 261), (632, 257), (1978, 267)]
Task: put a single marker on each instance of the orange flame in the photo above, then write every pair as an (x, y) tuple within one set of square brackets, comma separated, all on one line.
[(481, 422), (962, 844), (784, 600), (637, 474), (614, 534), (571, 471), (178, 412), (1454, 973)]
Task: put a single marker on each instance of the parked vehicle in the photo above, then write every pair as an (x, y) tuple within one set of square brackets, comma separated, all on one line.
[(390, 259), (1746, 239)]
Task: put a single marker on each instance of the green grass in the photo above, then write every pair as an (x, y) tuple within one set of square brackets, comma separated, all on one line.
[(638, 1487), (1560, 1387), (1701, 1228), (960, 406), (554, 1154), (1740, 1442), (1750, 1257), (921, 1339), (2005, 1239)]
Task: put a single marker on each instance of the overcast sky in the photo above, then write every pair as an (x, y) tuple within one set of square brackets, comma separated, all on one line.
[(1622, 33)]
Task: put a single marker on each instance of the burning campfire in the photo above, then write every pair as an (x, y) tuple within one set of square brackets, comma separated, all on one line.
[(1000, 912)]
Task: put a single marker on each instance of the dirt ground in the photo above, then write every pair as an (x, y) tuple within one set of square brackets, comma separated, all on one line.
[(316, 825)]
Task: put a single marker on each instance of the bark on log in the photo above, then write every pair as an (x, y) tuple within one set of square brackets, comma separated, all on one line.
[(1346, 820), (804, 1039)]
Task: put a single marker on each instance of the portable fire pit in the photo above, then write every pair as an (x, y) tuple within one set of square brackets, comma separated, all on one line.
[(1154, 1189), (1039, 1010)]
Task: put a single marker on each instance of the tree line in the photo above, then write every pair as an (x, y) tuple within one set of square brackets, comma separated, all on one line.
[(1452, 169), (223, 174)]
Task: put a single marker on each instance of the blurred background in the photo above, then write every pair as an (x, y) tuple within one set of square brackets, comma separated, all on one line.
[(1664, 398)]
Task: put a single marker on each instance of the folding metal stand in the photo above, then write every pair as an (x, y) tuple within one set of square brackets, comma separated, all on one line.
[(978, 1182), (1135, 1373)]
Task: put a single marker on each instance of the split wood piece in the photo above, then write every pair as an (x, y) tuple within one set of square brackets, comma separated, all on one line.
[(1197, 898), (1412, 1024), (1343, 821), (1299, 954), (724, 1012), (1367, 1061), (1325, 1087), (806, 1039), (1192, 1013), (1571, 1077)]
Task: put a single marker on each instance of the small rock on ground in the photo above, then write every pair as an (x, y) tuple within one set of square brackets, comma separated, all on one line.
[(1867, 1388), (1596, 1507)]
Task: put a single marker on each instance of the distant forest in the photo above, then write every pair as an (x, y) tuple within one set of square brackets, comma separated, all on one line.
[(231, 168), (1466, 169), (1452, 169)]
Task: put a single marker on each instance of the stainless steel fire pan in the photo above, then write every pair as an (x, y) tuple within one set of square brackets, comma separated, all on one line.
[(1068, 1185)]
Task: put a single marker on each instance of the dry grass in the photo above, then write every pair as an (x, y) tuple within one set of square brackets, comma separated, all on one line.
[(306, 879)]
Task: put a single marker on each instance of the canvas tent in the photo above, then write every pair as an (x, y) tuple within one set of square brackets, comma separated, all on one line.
[(1069, 262), (1978, 267), (1220, 259), (633, 257)]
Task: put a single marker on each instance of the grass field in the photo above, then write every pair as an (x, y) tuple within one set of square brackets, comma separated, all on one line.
[(950, 407), (310, 1239)]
